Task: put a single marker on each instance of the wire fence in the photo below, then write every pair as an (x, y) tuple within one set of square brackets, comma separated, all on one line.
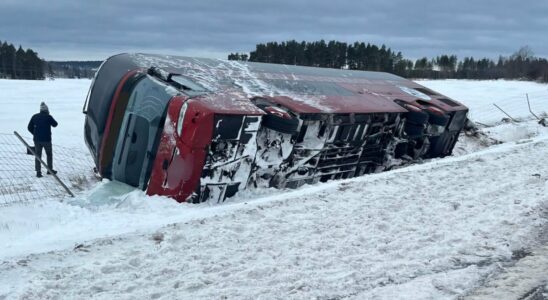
[(18, 181), (516, 106)]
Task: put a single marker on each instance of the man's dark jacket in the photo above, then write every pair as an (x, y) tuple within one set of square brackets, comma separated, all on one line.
[(40, 126)]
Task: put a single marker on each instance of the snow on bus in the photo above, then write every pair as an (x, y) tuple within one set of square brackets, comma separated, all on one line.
[(199, 130)]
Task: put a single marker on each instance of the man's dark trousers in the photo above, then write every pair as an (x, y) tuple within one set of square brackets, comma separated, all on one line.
[(38, 150)]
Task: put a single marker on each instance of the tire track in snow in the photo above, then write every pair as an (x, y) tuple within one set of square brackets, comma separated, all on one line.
[(525, 278)]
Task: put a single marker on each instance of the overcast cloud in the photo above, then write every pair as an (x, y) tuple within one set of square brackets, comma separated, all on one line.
[(81, 30)]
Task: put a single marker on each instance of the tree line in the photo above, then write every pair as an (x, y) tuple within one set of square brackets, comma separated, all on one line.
[(73, 69), (19, 63), (369, 57), (25, 64)]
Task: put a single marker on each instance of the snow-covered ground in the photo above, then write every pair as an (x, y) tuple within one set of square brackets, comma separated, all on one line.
[(436, 230), (20, 99), (480, 96)]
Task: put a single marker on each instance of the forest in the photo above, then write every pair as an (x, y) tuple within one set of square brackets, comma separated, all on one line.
[(25, 64), (17, 63), (73, 69), (521, 65)]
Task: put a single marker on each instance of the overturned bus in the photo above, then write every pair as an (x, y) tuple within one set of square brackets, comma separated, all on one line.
[(198, 129)]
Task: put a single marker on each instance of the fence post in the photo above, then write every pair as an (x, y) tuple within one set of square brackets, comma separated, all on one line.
[(505, 113), (529, 104)]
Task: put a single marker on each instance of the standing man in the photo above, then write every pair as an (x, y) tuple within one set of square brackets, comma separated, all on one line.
[(40, 126)]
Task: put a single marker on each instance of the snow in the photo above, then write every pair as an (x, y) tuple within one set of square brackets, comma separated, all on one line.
[(436, 230), (526, 275), (415, 93), (21, 99), (479, 96), (502, 133), (214, 74)]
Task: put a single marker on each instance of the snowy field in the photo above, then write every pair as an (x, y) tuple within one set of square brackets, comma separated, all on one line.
[(480, 96), (20, 99), (472, 225)]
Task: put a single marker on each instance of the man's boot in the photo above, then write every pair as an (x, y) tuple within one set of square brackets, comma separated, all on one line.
[(52, 172), (38, 174)]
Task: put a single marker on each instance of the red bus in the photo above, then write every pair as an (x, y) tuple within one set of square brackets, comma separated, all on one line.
[(198, 129)]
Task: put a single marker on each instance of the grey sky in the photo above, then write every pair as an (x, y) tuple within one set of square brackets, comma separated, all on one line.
[(81, 30)]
